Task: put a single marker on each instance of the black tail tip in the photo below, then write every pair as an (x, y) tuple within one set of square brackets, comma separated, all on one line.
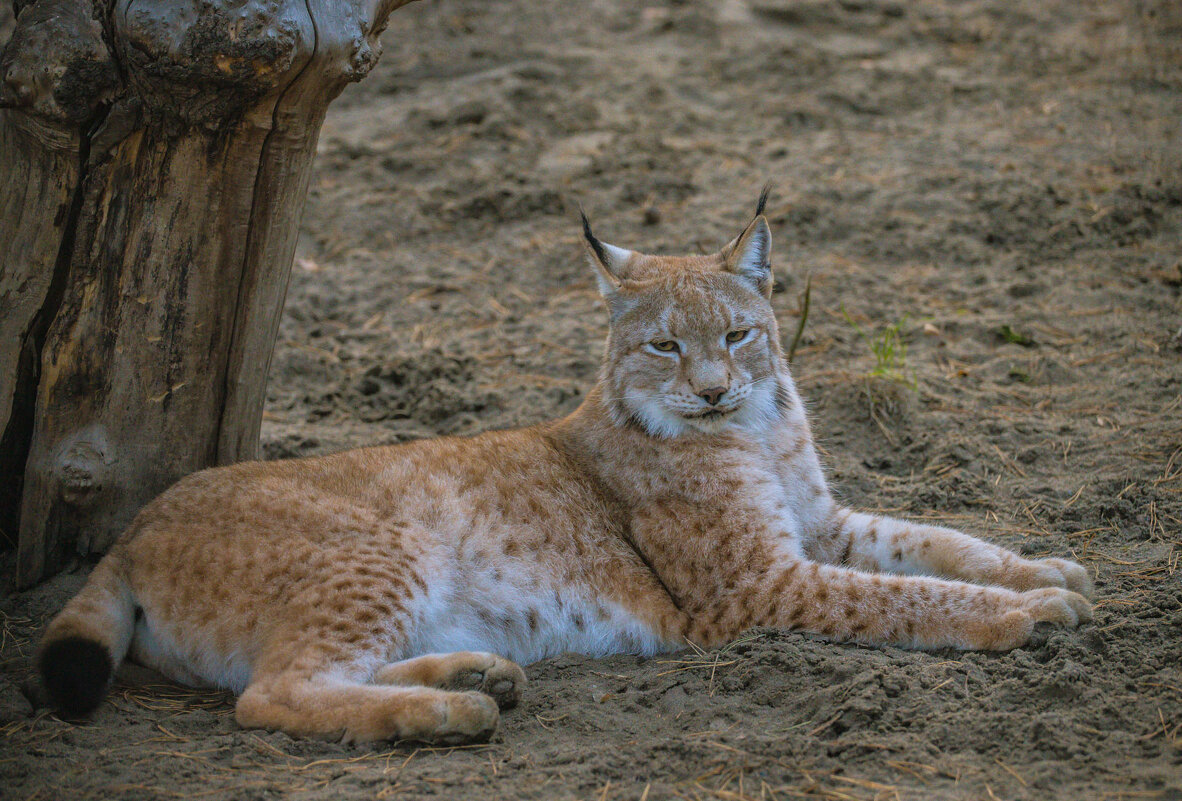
[(76, 672)]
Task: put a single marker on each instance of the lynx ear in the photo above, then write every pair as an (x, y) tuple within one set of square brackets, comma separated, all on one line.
[(749, 255), (609, 261)]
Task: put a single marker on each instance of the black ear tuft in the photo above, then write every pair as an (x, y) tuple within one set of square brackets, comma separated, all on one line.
[(762, 204), (595, 244), (75, 672)]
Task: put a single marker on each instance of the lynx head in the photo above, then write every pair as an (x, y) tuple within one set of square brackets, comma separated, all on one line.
[(693, 344)]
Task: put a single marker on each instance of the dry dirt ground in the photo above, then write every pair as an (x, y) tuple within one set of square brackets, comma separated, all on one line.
[(986, 193)]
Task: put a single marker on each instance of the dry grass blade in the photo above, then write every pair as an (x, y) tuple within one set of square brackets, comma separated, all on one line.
[(1012, 772), (805, 300), (10, 632), (825, 725), (702, 658)]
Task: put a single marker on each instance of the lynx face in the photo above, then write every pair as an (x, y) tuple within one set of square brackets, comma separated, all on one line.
[(695, 350), (693, 344)]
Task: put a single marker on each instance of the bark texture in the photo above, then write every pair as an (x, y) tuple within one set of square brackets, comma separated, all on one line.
[(154, 159)]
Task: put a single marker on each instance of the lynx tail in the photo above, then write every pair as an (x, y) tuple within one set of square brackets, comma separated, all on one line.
[(84, 644)]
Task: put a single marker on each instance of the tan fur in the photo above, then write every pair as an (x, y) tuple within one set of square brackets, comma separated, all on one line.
[(683, 500)]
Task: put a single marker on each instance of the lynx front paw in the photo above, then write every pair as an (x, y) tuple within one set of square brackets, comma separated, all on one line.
[(1075, 576), (1033, 574), (1047, 605), (1056, 605)]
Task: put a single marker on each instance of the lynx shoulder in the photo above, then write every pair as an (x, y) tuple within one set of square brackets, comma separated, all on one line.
[(391, 592)]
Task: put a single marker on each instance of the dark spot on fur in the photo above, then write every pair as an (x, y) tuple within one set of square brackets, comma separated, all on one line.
[(770, 615), (845, 554)]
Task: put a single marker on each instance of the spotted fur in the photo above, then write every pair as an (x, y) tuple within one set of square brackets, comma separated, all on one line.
[(389, 592)]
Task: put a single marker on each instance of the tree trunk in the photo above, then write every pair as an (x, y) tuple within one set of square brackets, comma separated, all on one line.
[(154, 159)]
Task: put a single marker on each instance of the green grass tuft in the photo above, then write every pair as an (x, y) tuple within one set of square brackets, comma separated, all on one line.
[(889, 347)]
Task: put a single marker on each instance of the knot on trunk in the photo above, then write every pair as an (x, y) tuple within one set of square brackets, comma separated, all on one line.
[(81, 468), (206, 63), (57, 66), (366, 52)]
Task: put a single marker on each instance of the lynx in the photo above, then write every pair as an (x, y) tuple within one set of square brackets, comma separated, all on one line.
[(389, 592)]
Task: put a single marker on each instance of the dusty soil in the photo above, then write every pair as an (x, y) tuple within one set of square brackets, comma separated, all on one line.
[(1000, 181)]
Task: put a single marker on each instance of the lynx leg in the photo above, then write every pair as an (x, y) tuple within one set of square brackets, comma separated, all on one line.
[(463, 670), (328, 707), (313, 677), (316, 682), (912, 611), (897, 546)]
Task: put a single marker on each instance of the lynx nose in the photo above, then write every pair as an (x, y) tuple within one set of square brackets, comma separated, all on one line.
[(712, 395)]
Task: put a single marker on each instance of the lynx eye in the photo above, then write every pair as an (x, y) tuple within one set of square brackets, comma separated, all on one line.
[(737, 336), (665, 346)]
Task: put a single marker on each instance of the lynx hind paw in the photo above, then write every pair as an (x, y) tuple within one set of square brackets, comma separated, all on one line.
[(1057, 605), (500, 678), (470, 717)]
